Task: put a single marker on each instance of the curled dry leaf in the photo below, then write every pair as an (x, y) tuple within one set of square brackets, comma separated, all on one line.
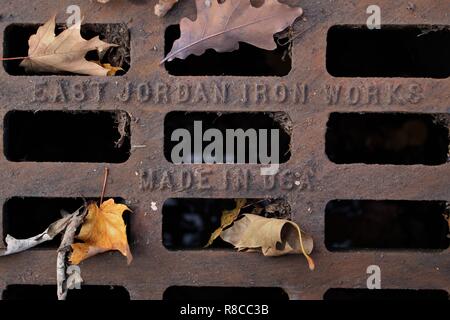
[(14, 245), (274, 237), (222, 26), (63, 53), (164, 6), (103, 230), (227, 218)]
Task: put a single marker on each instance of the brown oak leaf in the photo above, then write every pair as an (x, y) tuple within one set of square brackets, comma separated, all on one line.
[(63, 53), (273, 237), (103, 230), (221, 26)]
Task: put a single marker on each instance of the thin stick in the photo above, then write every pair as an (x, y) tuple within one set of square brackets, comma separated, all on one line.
[(76, 219), (14, 58), (251, 204), (104, 185)]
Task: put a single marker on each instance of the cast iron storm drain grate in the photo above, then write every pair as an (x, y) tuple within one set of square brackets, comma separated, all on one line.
[(364, 163)]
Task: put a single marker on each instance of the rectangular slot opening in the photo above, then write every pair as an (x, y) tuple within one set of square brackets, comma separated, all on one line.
[(15, 44), (388, 224), (392, 51), (190, 293), (385, 294), (67, 136), (188, 223), (25, 217), (388, 138), (248, 60), (48, 293), (227, 137)]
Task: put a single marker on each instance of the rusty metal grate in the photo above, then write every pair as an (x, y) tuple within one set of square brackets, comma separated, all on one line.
[(317, 172)]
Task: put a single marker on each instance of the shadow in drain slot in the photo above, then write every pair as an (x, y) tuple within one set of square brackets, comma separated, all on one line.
[(388, 138), (67, 136), (374, 224), (392, 51)]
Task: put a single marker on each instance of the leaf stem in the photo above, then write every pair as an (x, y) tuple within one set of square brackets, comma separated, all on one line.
[(14, 58), (311, 263), (104, 184)]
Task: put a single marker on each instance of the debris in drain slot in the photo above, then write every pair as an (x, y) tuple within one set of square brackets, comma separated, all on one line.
[(65, 52), (253, 232), (221, 26), (102, 229)]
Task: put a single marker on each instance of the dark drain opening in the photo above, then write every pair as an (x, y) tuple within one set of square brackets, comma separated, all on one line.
[(67, 136), (248, 60), (393, 51), (188, 223), (371, 224), (15, 44), (189, 293), (25, 217), (387, 138), (271, 128), (48, 292), (385, 294)]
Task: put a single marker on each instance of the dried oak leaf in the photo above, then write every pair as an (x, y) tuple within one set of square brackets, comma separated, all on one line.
[(274, 237), (222, 26), (227, 218), (103, 230), (63, 53)]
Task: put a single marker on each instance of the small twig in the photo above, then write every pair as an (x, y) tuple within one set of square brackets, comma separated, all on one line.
[(14, 58), (251, 204), (76, 219), (104, 185)]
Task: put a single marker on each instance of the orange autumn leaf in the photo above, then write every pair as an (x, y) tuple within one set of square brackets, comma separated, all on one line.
[(103, 230)]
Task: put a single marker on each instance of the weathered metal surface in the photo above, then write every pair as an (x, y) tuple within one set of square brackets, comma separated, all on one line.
[(154, 268)]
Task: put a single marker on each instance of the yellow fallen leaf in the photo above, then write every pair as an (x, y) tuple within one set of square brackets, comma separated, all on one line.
[(63, 53), (111, 70), (274, 237), (228, 216), (103, 230)]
